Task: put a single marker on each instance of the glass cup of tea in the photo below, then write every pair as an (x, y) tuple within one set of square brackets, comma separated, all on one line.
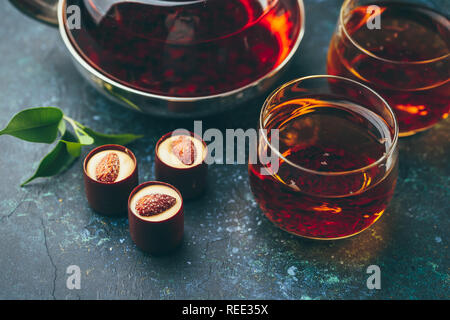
[(327, 157), (401, 49)]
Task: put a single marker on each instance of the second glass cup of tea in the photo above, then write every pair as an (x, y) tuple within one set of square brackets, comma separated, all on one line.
[(401, 49), (326, 164)]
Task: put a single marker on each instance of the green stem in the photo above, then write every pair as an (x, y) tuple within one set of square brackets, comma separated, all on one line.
[(72, 122), (78, 128)]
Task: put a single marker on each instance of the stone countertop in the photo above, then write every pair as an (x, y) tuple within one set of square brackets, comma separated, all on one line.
[(230, 250)]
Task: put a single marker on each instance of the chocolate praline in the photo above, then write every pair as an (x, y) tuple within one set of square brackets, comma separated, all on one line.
[(161, 231), (188, 175), (107, 193)]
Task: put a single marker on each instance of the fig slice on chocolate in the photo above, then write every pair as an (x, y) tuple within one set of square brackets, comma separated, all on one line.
[(154, 204), (107, 169), (184, 149)]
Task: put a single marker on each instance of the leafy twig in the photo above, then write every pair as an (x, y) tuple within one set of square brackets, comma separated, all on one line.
[(45, 125)]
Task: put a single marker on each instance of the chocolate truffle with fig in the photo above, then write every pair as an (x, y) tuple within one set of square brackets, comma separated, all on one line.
[(180, 161), (110, 174)]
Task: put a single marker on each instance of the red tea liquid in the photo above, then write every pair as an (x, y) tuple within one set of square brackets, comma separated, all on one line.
[(328, 137), (200, 49), (414, 78)]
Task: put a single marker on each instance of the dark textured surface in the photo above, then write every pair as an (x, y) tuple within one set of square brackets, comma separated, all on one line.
[(230, 249)]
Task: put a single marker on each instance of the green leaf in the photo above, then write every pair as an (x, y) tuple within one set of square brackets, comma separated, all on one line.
[(57, 161), (35, 125), (84, 138), (62, 128), (74, 148), (78, 128), (102, 139)]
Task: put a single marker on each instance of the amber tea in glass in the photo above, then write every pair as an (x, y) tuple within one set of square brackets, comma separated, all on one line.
[(406, 58), (337, 157)]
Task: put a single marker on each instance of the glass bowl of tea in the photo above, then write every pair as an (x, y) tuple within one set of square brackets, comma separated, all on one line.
[(326, 164), (181, 57)]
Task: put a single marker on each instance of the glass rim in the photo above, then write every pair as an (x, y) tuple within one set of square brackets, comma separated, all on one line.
[(373, 55), (385, 156)]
